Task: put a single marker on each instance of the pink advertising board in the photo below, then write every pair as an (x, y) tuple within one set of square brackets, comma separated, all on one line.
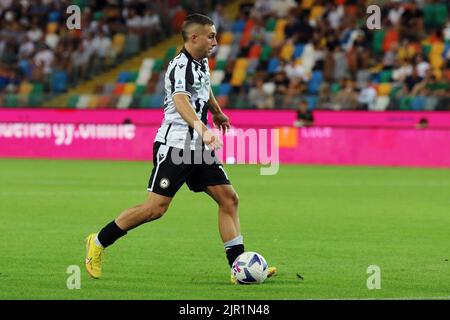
[(103, 134)]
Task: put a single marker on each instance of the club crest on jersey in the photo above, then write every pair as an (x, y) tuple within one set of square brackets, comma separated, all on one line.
[(164, 183)]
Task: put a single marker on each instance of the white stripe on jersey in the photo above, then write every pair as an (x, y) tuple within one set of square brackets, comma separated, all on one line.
[(184, 75)]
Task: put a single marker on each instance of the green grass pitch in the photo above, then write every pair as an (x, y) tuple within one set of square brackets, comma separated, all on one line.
[(326, 223)]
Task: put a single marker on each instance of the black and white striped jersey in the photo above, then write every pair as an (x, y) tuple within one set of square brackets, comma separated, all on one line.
[(184, 75)]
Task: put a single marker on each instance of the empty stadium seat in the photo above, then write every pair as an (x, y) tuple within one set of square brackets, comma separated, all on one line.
[(418, 103), (124, 101), (224, 89), (315, 82), (226, 38), (238, 26), (273, 65)]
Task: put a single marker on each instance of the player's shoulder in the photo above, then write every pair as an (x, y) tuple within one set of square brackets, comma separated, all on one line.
[(180, 58)]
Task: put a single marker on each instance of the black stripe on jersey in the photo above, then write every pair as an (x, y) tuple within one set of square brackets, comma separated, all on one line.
[(189, 77), (172, 79), (204, 117), (167, 133)]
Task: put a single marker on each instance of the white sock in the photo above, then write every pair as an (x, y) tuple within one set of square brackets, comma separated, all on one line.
[(234, 242), (97, 242)]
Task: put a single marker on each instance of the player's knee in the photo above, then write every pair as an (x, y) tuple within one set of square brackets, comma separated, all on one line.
[(155, 212), (231, 203)]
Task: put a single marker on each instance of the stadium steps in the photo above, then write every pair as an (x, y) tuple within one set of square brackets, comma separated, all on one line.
[(231, 10)]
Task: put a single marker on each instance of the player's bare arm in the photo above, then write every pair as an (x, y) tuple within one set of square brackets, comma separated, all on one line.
[(220, 120), (186, 110)]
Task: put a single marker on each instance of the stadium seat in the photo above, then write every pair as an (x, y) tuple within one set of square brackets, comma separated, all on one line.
[(377, 41), (178, 19), (133, 75), (273, 65), (212, 63), (244, 42), (118, 89), (38, 88), (223, 52), (83, 102), (53, 16), (52, 27), (384, 89), (215, 89), (26, 68), (386, 76), (118, 43), (35, 99), (335, 87), (270, 24), (129, 88), (255, 51), (381, 103), (312, 102), (170, 53), (287, 50), (224, 89), (252, 66), (315, 82), (234, 52), (124, 101), (249, 26), (241, 64), (238, 77), (132, 45), (280, 25), (108, 88), (418, 103), (266, 52), (11, 101), (140, 89), (298, 51), (92, 104), (217, 77), (73, 100), (220, 65), (226, 38), (123, 77), (25, 88), (58, 82), (145, 101), (157, 101), (158, 65), (238, 26), (405, 103)]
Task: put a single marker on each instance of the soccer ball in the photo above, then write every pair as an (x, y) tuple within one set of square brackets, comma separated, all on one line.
[(249, 268)]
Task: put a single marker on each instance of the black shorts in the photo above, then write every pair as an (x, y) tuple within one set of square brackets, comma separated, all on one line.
[(172, 167)]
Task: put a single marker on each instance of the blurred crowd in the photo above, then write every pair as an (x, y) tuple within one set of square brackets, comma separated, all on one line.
[(321, 55), (356, 68), (35, 42)]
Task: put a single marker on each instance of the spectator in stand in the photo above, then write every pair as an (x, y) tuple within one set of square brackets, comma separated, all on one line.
[(305, 117), (347, 97), (260, 96), (221, 22), (367, 97)]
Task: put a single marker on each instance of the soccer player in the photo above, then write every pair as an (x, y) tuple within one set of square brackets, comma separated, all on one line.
[(181, 141)]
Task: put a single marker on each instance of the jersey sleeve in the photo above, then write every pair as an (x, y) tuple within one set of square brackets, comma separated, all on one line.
[(179, 80)]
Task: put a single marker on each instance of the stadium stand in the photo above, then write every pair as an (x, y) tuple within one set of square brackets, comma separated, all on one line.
[(286, 51)]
